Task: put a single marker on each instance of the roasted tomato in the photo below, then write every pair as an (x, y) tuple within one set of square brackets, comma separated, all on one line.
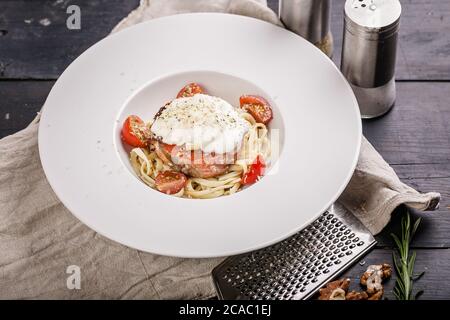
[(190, 90), (135, 132), (255, 171), (258, 107), (170, 182)]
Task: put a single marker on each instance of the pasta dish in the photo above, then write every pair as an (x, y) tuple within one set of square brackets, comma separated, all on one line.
[(200, 146)]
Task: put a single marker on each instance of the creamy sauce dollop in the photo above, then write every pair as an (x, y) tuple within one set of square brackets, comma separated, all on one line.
[(202, 122)]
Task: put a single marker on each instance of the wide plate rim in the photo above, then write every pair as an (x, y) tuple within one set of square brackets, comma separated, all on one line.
[(198, 255)]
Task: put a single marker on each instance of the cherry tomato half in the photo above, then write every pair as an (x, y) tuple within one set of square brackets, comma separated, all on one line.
[(258, 107), (170, 182), (255, 171), (190, 90), (134, 132)]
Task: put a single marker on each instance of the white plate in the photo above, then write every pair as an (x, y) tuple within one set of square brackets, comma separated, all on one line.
[(140, 68)]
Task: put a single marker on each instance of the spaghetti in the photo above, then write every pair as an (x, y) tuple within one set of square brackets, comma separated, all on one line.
[(147, 165)]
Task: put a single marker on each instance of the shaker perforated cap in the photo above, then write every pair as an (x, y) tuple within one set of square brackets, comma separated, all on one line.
[(373, 13)]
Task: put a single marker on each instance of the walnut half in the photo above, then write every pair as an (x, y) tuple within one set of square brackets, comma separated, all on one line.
[(377, 295), (354, 295), (335, 290), (374, 277), (337, 294)]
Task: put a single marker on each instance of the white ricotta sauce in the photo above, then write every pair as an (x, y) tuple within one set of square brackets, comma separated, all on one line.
[(201, 122)]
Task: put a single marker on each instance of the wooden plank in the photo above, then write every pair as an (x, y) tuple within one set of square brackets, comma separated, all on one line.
[(424, 38), (21, 100), (35, 41), (273, 4), (434, 228), (417, 130), (6, 132), (422, 171), (433, 261), (29, 48)]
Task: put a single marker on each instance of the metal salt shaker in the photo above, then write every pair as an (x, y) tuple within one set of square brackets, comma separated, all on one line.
[(309, 19), (369, 52)]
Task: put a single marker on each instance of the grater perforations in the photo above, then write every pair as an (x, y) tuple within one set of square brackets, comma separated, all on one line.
[(298, 266)]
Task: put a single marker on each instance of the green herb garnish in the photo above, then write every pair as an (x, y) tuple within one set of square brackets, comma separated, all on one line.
[(405, 260)]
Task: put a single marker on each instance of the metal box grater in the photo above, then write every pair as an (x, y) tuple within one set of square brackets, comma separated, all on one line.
[(299, 266)]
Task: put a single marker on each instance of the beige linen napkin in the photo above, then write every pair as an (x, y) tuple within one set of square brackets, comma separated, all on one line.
[(40, 238)]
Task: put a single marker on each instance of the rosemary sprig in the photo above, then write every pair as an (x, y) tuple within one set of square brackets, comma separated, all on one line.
[(404, 262)]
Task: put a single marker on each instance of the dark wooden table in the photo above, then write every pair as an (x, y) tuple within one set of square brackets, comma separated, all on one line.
[(36, 47)]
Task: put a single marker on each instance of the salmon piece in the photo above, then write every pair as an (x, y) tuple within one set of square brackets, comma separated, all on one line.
[(195, 163), (206, 170)]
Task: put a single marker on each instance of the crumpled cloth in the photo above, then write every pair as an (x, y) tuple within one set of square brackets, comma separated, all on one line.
[(40, 239)]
